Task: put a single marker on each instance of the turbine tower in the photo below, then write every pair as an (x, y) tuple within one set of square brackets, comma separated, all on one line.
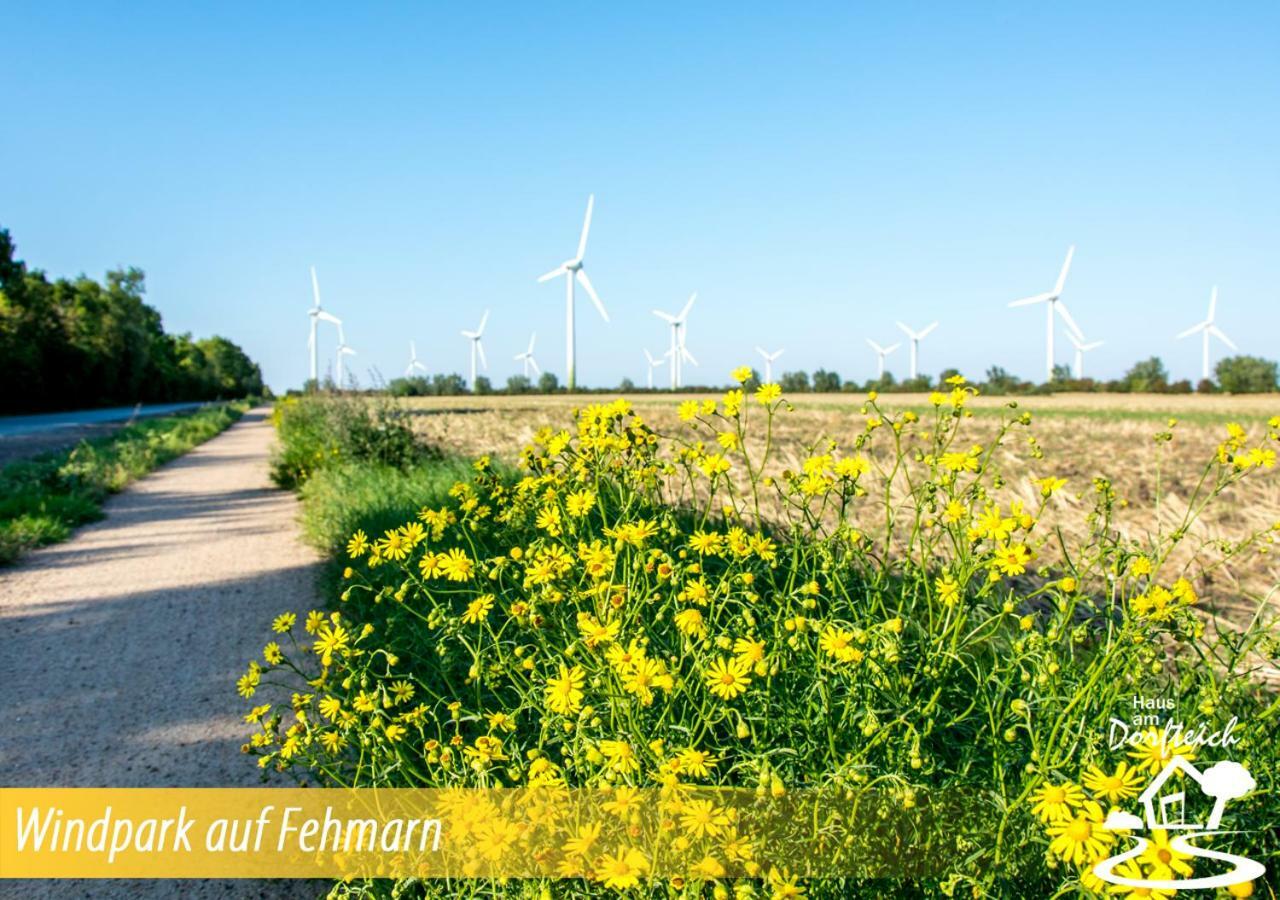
[(1054, 301), (1081, 349), (678, 351), (572, 270), (526, 358), (769, 359), (343, 352), (1207, 328), (317, 315), (414, 365), (881, 353), (653, 364), (477, 348), (916, 338)]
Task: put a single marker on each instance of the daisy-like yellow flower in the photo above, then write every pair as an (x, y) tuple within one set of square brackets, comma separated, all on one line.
[(283, 622), (1012, 559), (749, 651), (691, 622), (621, 870), (580, 503), (394, 545), (702, 818), (838, 643), (742, 374), (315, 619), (1152, 753), (272, 654), (456, 565), (727, 678), (478, 609), (625, 800), (358, 545), (330, 641), (330, 707), (768, 393), (1165, 860), (1122, 784), (622, 758), (948, 591), (696, 763), (564, 692), (1055, 802), (1081, 838), (1131, 868), (394, 732)]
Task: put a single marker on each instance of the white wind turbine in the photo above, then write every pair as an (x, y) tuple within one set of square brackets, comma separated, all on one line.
[(477, 348), (678, 352), (1054, 301), (769, 359), (572, 269), (317, 315), (916, 338), (414, 365), (1081, 349), (343, 352), (526, 358), (1207, 328), (653, 364), (881, 353)]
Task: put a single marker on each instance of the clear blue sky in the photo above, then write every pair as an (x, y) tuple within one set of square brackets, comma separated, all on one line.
[(814, 171)]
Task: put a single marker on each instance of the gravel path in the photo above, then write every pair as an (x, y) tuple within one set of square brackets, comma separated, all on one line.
[(121, 647)]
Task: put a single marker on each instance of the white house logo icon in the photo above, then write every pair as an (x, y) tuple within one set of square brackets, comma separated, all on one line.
[(1166, 807)]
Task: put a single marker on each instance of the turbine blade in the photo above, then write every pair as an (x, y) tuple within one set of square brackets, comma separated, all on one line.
[(1194, 329), (907, 331), (558, 270), (1094, 346), (761, 351), (891, 348), (1217, 332), (684, 353), (1066, 266), (483, 320), (666, 317), (1027, 301), (586, 226), (874, 346), (591, 292), (315, 287), (470, 335), (328, 317), (648, 356), (1066, 317), (533, 362), (1213, 303), (927, 330), (688, 306), (480, 349)]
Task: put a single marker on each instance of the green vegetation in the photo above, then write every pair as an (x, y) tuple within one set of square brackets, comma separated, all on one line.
[(71, 344), (43, 499), (1246, 375)]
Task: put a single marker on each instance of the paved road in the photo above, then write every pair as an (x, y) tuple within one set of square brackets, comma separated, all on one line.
[(13, 426), (121, 646)]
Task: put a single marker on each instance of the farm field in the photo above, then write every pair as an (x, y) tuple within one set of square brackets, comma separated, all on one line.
[(1081, 435)]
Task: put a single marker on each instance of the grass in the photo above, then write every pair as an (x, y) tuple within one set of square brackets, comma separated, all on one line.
[(43, 500)]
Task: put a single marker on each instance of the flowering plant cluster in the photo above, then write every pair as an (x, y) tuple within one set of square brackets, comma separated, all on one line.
[(631, 610)]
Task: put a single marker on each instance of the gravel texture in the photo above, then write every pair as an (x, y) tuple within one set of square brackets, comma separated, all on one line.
[(121, 646)]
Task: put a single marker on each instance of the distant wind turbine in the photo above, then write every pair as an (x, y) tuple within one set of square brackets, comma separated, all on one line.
[(343, 352), (477, 348), (317, 315), (653, 364), (1081, 349), (769, 359), (881, 353), (1054, 301), (678, 352), (916, 338), (526, 358), (1207, 328), (414, 365), (572, 269)]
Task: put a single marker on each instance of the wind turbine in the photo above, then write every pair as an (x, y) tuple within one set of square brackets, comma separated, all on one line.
[(526, 358), (653, 364), (678, 352), (414, 365), (572, 269), (881, 353), (317, 315), (477, 348), (1054, 301), (916, 338), (1081, 349), (1207, 328), (768, 362), (343, 352)]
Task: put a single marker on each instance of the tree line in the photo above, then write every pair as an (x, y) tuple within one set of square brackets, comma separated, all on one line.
[(75, 343)]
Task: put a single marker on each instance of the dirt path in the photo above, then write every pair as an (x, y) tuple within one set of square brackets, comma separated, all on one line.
[(121, 646)]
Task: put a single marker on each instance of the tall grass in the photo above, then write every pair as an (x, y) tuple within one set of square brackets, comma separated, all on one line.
[(42, 500)]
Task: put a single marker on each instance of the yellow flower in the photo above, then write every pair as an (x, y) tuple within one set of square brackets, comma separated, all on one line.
[(1049, 485), (742, 374), (1012, 559), (688, 410), (394, 732), (394, 545), (456, 565), (1054, 802), (622, 870), (1120, 785), (837, 643), (621, 757), (691, 622), (948, 591), (358, 544), (478, 609), (1080, 838), (748, 651), (714, 464), (271, 653), (767, 393), (283, 622), (1165, 860), (702, 818), (580, 503), (330, 641), (727, 678), (564, 692), (1152, 753)]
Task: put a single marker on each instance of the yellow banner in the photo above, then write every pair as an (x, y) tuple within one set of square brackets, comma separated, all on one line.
[(619, 836)]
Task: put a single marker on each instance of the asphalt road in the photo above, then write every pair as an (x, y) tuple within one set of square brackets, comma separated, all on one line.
[(13, 426)]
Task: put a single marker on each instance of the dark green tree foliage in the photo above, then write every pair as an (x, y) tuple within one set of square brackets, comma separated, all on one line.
[(80, 343), (1146, 376), (1246, 375)]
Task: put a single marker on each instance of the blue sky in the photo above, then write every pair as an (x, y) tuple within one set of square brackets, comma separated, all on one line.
[(814, 171)]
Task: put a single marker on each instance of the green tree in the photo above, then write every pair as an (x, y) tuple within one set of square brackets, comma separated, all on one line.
[(825, 382), (1147, 376), (548, 383), (1246, 375), (794, 382)]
